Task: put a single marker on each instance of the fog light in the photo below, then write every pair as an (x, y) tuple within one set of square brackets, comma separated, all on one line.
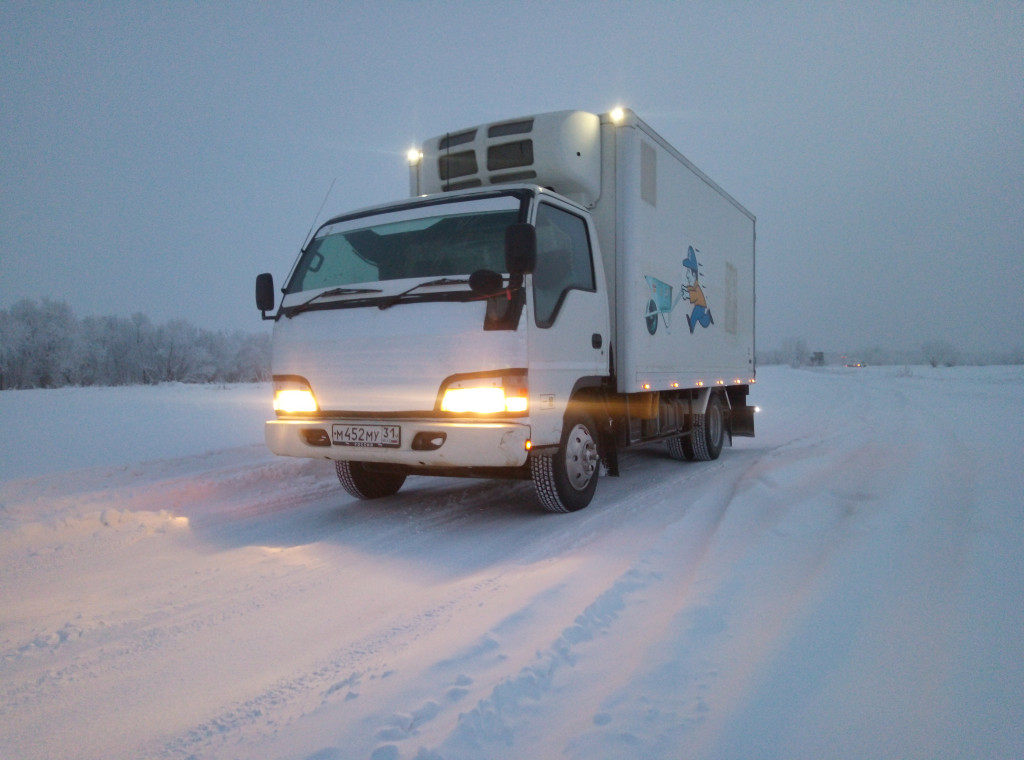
[(316, 437), (428, 441)]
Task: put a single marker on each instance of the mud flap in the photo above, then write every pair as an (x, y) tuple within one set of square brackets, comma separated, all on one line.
[(741, 421)]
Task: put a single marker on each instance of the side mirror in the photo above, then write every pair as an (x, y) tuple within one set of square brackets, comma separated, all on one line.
[(265, 293), (520, 248)]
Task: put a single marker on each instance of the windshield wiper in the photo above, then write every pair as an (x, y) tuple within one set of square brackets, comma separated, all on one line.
[(327, 294), (389, 302)]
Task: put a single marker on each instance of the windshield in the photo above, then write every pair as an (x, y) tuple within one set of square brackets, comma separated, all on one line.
[(435, 240)]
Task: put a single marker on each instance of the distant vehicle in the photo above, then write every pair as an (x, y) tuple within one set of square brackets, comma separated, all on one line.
[(855, 364), (516, 317)]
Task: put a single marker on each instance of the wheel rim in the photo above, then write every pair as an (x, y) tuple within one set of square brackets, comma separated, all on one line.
[(581, 457)]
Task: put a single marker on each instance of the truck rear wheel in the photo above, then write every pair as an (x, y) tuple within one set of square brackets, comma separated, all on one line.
[(708, 433), (566, 480), (681, 448), (367, 484)]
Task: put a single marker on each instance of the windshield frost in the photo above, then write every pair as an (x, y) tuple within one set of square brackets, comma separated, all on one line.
[(437, 240)]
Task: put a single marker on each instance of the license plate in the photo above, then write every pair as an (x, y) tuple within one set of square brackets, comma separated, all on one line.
[(374, 436)]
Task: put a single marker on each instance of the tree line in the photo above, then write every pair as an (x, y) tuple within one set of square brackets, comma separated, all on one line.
[(795, 353), (44, 345)]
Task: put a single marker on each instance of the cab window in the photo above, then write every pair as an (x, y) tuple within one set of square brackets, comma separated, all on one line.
[(563, 261)]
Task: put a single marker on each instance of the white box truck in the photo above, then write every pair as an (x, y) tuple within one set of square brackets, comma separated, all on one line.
[(558, 288)]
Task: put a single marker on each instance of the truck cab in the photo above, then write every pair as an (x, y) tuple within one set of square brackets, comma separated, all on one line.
[(439, 336)]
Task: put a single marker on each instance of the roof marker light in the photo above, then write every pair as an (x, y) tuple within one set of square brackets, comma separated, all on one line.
[(414, 156), (617, 114)]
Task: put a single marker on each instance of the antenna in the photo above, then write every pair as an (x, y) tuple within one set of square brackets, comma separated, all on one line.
[(318, 212), (309, 234)]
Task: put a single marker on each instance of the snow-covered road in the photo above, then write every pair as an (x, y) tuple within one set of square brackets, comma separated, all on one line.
[(849, 584)]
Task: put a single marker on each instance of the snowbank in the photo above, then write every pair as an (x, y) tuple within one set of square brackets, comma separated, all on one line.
[(70, 428)]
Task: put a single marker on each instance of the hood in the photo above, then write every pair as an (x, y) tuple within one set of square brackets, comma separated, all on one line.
[(369, 360)]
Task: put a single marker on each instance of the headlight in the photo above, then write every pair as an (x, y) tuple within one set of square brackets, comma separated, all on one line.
[(294, 395), (486, 395)]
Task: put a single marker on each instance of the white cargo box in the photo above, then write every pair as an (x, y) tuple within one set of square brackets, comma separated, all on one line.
[(678, 250), (682, 253)]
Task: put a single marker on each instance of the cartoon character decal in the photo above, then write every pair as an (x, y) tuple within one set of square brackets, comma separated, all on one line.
[(700, 315), (661, 303)]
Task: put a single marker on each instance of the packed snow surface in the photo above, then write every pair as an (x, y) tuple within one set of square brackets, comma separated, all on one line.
[(848, 584)]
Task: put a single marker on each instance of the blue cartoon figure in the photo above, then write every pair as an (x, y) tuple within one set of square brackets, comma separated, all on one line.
[(693, 293), (662, 304)]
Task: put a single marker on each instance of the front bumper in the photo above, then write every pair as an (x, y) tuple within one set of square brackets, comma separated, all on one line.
[(463, 443)]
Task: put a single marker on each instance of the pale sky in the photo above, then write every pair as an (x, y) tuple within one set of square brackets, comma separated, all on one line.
[(157, 156)]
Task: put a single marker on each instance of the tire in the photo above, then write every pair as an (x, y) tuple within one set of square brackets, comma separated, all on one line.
[(367, 484), (681, 448), (708, 434), (566, 480)]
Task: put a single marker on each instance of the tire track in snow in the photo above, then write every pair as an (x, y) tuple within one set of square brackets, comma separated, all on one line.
[(680, 634), (796, 596), (496, 725), (339, 678)]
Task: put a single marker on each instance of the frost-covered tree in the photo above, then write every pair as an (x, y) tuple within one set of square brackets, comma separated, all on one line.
[(938, 352), (38, 345), (45, 345), (11, 338), (252, 357), (178, 353)]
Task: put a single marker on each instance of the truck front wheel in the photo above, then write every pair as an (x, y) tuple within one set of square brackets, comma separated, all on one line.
[(566, 480), (364, 483)]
